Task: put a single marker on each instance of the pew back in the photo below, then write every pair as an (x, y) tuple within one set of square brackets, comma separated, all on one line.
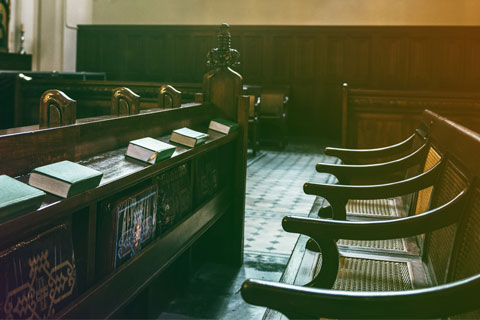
[(93, 96), (377, 118)]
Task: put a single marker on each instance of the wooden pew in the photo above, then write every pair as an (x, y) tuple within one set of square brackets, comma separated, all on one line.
[(93, 96), (377, 118), (441, 281), (213, 178)]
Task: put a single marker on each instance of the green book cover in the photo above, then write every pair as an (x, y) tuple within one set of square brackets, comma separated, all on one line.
[(222, 125), (149, 150), (65, 178), (188, 137), (17, 197)]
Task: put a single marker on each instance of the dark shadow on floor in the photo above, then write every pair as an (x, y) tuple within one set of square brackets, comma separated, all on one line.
[(214, 290)]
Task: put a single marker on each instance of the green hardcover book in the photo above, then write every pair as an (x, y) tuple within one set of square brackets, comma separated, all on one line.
[(17, 197), (149, 150), (188, 137), (65, 178), (222, 125)]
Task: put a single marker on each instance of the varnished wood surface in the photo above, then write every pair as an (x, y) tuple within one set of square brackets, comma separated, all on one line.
[(313, 60), (22, 152), (103, 300), (94, 97), (378, 118), (120, 173)]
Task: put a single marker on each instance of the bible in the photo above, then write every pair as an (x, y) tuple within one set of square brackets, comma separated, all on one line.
[(188, 137), (222, 125), (64, 178), (17, 197), (149, 150)]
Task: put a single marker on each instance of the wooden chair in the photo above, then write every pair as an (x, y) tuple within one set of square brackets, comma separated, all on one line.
[(169, 97), (56, 109), (125, 102), (273, 114), (441, 282), (253, 117), (420, 157)]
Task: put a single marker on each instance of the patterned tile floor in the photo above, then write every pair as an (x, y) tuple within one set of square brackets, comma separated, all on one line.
[(274, 189)]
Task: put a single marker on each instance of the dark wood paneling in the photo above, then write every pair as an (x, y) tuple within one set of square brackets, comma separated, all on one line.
[(419, 67), (320, 58), (154, 52), (252, 56), (390, 60)]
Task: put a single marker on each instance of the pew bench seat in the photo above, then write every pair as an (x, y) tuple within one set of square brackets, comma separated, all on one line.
[(335, 280)]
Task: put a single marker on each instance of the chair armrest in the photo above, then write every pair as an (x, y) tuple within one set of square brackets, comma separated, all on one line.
[(353, 155), (378, 230), (338, 195), (302, 302), (345, 172)]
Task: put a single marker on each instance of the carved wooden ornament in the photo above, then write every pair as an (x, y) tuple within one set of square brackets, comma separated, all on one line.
[(56, 109), (169, 97), (125, 102)]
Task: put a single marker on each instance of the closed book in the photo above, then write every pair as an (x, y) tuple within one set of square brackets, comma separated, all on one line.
[(38, 275), (17, 197), (188, 137), (222, 125), (149, 150), (65, 178)]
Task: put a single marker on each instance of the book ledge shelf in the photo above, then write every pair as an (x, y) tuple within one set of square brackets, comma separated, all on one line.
[(212, 185)]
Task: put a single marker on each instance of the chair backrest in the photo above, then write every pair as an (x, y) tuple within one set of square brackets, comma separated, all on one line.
[(125, 102), (56, 109), (272, 102), (454, 251)]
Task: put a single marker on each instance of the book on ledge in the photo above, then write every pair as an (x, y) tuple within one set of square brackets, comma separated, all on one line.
[(188, 137), (149, 150), (222, 125), (17, 197), (64, 178)]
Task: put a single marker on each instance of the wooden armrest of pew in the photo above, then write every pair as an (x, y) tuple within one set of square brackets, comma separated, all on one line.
[(304, 302), (354, 155), (325, 233), (338, 195), (344, 172), (378, 230)]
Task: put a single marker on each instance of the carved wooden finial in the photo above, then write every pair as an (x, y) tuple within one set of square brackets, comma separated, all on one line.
[(125, 102), (169, 97), (56, 109), (223, 56)]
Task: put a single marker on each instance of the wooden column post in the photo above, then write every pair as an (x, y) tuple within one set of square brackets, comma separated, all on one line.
[(222, 88)]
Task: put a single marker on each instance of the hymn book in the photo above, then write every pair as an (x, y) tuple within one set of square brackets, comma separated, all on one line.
[(17, 197), (65, 178), (149, 150), (222, 125), (188, 137)]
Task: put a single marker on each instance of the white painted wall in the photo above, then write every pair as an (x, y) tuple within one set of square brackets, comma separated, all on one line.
[(50, 33), (288, 12)]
